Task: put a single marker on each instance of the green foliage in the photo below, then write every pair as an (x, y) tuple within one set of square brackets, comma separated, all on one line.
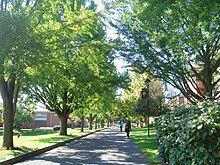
[(132, 104), (20, 48), (177, 41), (19, 45), (156, 107), (79, 64), (190, 135), (24, 113)]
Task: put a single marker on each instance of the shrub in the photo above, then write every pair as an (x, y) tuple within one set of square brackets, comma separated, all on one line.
[(56, 127), (190, 135)]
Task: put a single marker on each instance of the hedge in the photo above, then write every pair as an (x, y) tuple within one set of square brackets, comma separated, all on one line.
[(190, 135)]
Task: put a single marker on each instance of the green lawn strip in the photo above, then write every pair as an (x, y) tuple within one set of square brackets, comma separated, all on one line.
[(31, 140), (147, 145)]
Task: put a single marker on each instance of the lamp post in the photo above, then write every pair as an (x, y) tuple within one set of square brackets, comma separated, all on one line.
[(145, 96), (148, 108)]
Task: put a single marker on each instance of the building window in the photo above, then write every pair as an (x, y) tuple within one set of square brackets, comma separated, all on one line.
[(181, 100), (40, 116)]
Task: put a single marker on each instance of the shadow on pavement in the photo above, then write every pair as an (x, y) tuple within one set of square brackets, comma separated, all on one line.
[(106, 147)]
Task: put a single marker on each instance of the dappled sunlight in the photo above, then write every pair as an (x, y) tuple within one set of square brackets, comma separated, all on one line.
[(41, 138), (105, 147)]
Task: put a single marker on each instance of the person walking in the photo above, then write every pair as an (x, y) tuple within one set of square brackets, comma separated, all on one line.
[(120, 125), (128, 128)]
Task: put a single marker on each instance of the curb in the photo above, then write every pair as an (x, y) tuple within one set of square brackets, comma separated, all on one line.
[(42, 150)]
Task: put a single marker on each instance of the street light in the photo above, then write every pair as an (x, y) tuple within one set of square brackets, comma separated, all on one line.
[(145, 96), (144, 93), (148, 107)]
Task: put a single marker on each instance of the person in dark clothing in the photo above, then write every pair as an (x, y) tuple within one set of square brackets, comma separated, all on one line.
[(128, 128), (120, 125)]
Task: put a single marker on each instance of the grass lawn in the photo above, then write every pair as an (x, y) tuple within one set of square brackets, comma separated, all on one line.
[(35, 139), (147, 145)]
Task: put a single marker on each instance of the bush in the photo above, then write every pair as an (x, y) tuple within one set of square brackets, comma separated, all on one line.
[(56, 127), (190, 135)]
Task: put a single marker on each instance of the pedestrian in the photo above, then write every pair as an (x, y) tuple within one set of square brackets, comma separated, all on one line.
[(120, 125), (128, 128)]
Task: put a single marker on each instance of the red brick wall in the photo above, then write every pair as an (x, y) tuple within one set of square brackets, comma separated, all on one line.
[(52, 120)]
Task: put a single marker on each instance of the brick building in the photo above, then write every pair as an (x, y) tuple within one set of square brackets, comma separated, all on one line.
[(43, 118)]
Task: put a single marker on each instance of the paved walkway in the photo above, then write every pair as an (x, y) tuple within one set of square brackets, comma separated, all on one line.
[(108, 147)]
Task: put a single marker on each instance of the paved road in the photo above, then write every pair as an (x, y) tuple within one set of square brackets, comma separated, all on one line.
[(108, 147)]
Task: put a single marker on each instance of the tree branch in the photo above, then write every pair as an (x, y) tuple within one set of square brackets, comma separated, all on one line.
[(2, 5), (27, 3)]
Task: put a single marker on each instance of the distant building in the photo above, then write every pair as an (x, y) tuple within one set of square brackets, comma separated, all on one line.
[(43, 118), (178, 100)]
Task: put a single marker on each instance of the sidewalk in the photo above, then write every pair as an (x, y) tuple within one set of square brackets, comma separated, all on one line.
[(108, 147)]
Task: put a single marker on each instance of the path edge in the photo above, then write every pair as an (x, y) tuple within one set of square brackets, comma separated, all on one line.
[(31, 154)]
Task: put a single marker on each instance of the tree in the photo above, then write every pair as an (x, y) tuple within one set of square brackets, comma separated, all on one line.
[(24, 112), (80, 59), (156, 98), (62, 89), (102, 92), (19, 49), (132, 105), (177, 41)]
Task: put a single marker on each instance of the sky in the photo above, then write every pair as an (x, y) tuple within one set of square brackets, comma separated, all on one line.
[(112, 34)]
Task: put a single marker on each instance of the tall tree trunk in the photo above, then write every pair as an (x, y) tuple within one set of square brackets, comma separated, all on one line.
[(63, 125), (90, 121), (9, 92), (8, 116), (82, 124)]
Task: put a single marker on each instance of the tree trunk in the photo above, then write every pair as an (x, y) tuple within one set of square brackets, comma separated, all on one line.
[(96, 123), (2, 3), (102, 123), (82, 124), (90, 121), (108, 123), (99, 124), (8, 116), (145, 121), (63, 125), (9, 92)]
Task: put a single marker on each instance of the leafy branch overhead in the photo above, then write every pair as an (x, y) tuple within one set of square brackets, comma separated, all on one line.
[(177, 41), (79, 62)]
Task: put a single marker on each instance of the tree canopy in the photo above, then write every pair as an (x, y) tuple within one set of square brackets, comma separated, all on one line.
[(80, 60), (131, 104), (20, 48), (177, 41), (58, 52)]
